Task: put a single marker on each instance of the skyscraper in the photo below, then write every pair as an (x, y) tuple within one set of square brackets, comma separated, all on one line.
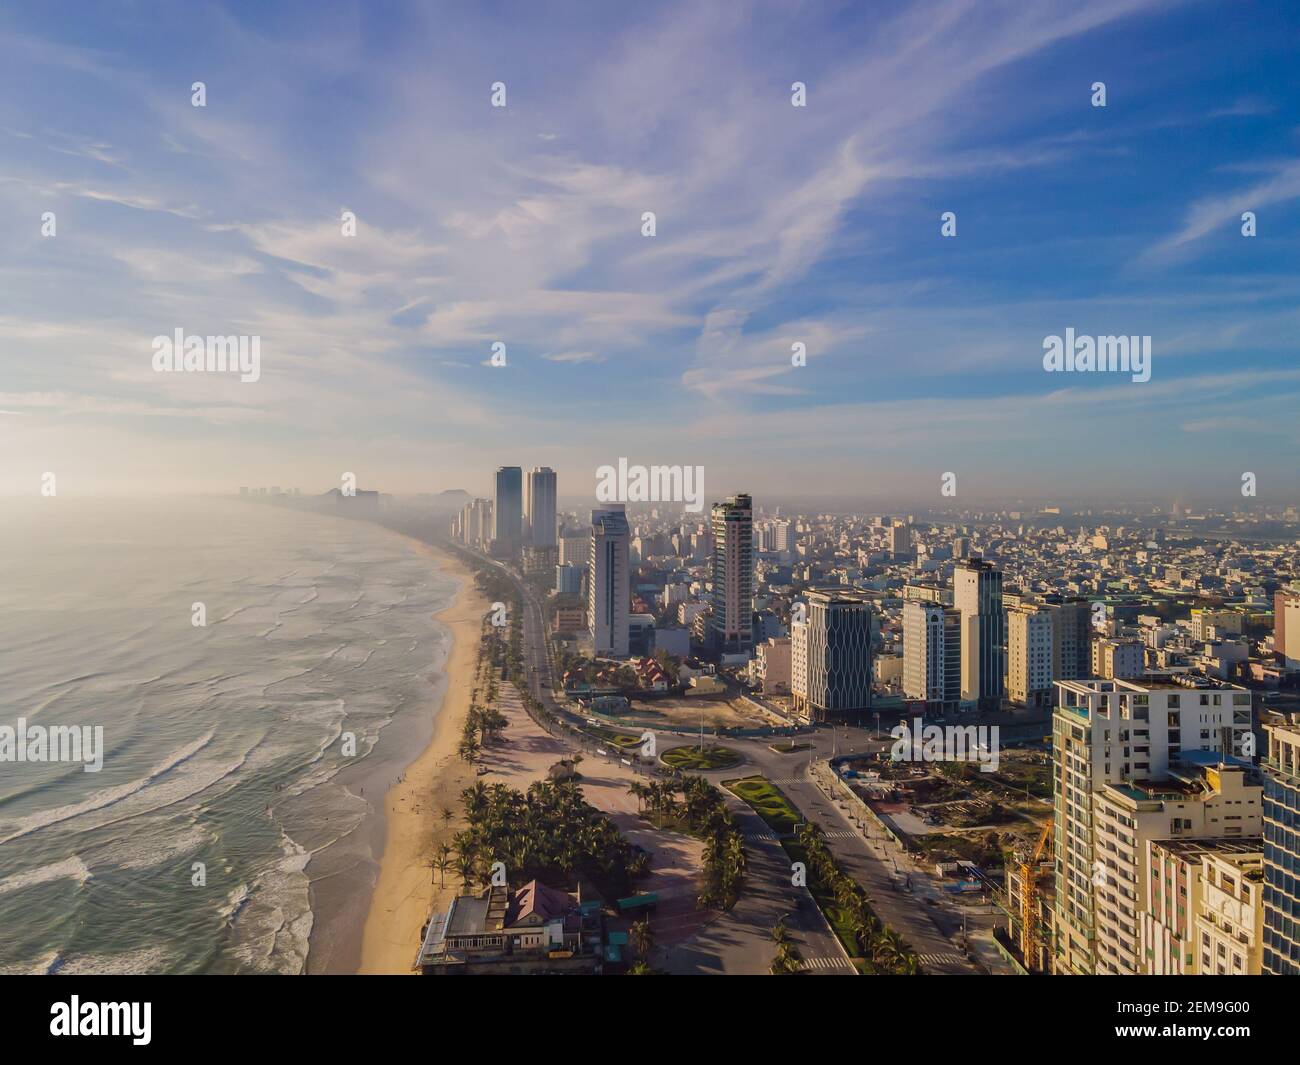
[(609, 590), (507, 514), (541, 506), (977, 593), (733, 575), (838, 637), (932, 653)]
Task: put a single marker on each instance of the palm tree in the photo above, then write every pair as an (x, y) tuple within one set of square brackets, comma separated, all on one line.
[(888, 948), (641, 939), (442, 859), (780, 934), (787, 961)]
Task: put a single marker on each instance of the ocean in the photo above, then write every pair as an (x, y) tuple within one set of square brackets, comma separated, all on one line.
[(224, 743)]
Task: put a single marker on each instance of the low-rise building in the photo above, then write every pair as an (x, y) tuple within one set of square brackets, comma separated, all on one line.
[(535, 929)]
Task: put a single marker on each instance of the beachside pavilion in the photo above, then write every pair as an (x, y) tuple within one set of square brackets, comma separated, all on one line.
[(536, 929)]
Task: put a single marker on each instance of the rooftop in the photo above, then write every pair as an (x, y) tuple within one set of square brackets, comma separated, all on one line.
[(1193, 849)]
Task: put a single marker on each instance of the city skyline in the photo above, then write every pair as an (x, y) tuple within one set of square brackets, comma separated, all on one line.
[(776, 225)]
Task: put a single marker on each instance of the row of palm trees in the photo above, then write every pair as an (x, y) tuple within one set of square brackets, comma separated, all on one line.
[(702, 812), (546, 830), (484, 721), (884, 947)]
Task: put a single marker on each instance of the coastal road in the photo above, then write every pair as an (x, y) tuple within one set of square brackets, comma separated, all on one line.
[(739, 942)]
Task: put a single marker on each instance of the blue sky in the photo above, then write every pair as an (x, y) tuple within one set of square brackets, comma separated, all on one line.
[(775, 224)]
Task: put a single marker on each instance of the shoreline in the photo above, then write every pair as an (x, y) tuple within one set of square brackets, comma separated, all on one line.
[(406, 888)]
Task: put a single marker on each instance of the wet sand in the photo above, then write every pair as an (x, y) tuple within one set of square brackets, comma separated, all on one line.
[(406, 887)]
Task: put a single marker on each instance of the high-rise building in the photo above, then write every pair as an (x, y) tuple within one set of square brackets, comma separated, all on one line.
[(568, 580), (507, 513), (782, 537), (732, 621), (900, 539), (1071, 637), (1029, 656), (1282, 850), (574, 546), (1124, 736), (838, 640), (932, 653), (977, 593), (799, 663), (540, 501), (609, 590), (1144, 921), (476, 523)]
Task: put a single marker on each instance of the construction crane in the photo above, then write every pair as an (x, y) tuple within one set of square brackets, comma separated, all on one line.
[(1031, 938)]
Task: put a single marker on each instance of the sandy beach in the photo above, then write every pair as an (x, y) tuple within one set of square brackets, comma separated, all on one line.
[(407, 887)]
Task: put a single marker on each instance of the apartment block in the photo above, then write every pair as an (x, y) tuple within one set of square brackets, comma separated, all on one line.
[(1121, 732), (1144, 909), (1029, 656)]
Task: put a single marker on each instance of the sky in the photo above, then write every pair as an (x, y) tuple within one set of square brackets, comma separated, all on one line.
[(774, 225)]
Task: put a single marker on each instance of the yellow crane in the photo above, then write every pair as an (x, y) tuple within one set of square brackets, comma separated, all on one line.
[(1030, 927)]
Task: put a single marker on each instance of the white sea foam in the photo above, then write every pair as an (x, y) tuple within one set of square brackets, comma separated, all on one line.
[(106, 797), (69, 869)]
